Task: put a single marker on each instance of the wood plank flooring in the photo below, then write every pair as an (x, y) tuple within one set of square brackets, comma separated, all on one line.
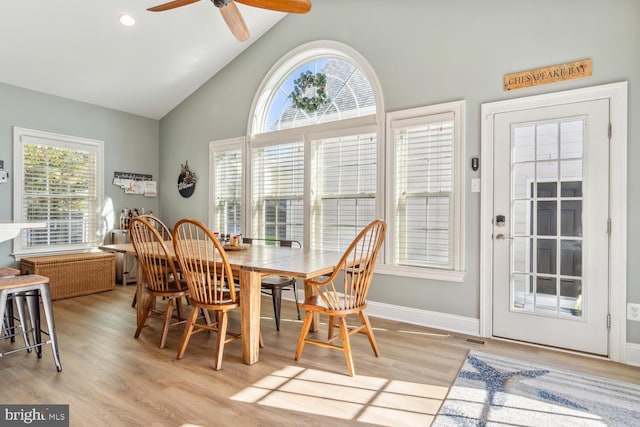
[(111, 379)]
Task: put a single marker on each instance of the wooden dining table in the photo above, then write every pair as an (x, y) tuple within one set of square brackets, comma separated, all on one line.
[(251, 265)]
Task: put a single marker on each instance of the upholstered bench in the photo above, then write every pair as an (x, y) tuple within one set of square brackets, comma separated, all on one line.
[(73, 275)]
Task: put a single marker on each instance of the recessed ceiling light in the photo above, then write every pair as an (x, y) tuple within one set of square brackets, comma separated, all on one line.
[(127, 20)]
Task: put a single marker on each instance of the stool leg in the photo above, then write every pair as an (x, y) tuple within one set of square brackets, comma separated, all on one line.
[(19, 298), (51, 326), (3, 307), (9, 320), (33, 304), (276, 296)]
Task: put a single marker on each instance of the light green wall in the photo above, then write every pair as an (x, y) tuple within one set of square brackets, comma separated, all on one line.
[(130, 143), (424, 52)]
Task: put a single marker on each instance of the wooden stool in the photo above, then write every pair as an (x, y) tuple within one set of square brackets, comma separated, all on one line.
[(32, 287)]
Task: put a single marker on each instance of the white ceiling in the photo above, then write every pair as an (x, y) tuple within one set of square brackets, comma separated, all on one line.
[(77, 49)]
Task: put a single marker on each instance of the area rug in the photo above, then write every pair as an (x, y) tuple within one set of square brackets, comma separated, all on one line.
[(498, 391)]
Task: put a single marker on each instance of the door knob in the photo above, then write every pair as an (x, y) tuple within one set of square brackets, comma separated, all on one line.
[(500, 236)]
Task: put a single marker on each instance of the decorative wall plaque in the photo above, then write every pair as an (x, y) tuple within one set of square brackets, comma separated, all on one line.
[(186, 180), (541, 76)]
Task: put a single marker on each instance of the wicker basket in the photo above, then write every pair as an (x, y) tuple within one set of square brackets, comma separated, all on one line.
[(74, 274)]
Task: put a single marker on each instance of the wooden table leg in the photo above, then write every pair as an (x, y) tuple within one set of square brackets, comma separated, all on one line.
[(250, 315), (309, 291)]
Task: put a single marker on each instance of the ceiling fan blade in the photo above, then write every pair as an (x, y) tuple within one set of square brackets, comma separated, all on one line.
[(171, 5), (235, 21), (288, 6)]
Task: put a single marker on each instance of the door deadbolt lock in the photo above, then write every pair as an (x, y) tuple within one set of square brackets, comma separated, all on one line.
[(500, 221)]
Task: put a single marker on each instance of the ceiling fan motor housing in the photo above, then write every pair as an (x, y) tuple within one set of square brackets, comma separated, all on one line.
[(220, 3)]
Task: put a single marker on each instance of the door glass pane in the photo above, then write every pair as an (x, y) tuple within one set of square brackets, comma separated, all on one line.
[(546, 256), (571, 139), (547, 189), (546, 296), (547, 172), (524, 143), (571, 189), (571, 258), (522, 295), (521, 218), (571, 170), (547, 142), (571, 297), (521, 255), (571, 218), (547, 218), (523, 176)]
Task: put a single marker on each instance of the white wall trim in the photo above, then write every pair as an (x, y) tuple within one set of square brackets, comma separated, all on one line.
[(617, 94), (633, 354), (429, 319)]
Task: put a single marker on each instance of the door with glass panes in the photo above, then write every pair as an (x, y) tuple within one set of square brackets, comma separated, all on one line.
[(550, 226)]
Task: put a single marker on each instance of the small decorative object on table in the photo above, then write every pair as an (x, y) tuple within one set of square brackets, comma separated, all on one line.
[(186, 180)]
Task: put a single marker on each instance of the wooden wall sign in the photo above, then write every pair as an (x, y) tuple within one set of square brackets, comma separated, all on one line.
[(541, 76)]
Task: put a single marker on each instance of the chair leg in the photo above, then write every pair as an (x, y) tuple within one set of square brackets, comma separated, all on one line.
[(369, 332), (295, 297), (306, 325), (145, 315), (23, 322), (168, 314), (188, 329), (222, 335), (51, 326), (332, 325), (135, 300), (346, 344), (276, 296)]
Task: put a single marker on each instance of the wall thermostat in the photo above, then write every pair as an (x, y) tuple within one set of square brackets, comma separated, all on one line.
[(4, 175)]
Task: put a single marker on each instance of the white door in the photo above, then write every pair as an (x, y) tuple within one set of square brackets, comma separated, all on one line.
[(550, 226)]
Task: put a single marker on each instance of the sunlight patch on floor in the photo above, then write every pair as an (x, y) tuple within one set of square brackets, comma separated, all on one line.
[(362, 398)]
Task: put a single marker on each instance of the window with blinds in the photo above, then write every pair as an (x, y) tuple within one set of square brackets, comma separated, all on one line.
[(343, 195), (227, 190), (58, 181), (277, 191), (426, 204)]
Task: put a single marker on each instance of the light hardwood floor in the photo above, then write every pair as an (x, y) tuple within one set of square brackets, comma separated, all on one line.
[(111, 379)]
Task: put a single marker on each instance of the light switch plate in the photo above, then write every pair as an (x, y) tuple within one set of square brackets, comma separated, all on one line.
[(475, 185)]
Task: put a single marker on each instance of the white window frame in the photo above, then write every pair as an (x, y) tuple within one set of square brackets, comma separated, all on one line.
[(23, 136), (394, 120), (215, 147)]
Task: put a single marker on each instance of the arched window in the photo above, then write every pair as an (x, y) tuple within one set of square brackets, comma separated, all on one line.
[(312, 153), (349, 89)]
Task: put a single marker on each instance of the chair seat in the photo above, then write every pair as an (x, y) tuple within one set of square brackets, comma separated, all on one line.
[(277, 281), (315, 303), (173, 290)]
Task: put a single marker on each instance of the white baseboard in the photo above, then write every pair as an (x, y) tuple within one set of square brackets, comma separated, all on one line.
[(633, 354), (429, 319), (453, 323)]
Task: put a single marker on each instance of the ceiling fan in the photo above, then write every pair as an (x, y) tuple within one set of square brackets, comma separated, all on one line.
[(231, 13)]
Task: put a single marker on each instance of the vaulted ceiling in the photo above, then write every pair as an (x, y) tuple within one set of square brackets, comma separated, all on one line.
[(78, 49)]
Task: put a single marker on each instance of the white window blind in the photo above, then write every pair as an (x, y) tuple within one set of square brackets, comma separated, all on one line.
[(343, 195), (277, 191), (58, 181), (424, 190), (227, 190)]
